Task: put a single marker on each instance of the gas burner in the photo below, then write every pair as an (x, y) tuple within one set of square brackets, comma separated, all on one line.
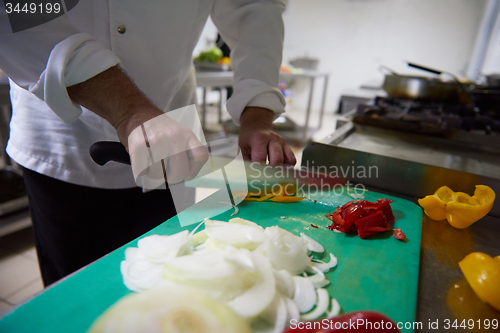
[(425, 117)]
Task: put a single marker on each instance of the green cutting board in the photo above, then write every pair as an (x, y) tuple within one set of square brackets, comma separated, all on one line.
[(379, 273)]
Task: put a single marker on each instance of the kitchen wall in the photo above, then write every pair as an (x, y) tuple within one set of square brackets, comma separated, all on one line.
[(352, 38), (491, 63)]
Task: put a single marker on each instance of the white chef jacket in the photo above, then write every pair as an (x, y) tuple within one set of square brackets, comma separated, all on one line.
[(51, 135)]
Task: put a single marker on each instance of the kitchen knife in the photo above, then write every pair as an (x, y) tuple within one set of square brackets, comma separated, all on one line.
[(257, 174)]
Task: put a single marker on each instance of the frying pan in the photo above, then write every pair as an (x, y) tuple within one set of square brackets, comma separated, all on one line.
[(424, 88)]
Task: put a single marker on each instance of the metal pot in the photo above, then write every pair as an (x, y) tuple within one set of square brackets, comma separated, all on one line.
[(425, 88), (421, 88)]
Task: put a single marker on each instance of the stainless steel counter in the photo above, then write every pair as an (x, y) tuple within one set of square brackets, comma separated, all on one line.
[(411, 166)]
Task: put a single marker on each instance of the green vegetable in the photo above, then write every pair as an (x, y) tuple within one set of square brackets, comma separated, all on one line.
[(211, 55)]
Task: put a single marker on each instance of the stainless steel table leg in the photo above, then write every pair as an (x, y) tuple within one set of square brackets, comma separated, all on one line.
[(308, 111), (220, 105), (204, 109), (323, 100)]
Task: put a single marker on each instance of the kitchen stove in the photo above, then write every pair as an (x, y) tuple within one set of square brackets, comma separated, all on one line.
[(437, 119)]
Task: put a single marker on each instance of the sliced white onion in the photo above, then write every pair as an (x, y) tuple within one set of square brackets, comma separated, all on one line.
[(275, 317), (198, 238), (284, 282), (131, 253), (160, 249), (234, 234), (280, 322), (239, 220), (305, 294), (169, 309), (319, 280), (335, 310), (260, 295), (293, 310), (224, 275), (323, 266), (285, 250), (207, 265), (312, 245), (251, 269), (140, 274), (321, 305), (196, 229)]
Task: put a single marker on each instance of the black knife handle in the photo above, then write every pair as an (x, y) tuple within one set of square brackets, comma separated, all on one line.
[(427, 69), (104, 151)]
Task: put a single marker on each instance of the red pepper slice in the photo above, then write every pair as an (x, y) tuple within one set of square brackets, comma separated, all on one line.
[(398, 233), (355, 322), (374, 217), (372, 224)]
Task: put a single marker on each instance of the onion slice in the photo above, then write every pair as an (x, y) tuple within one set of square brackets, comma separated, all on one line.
[(319, 280), (323, 266), (312, 245), (321, 306), (335, 310), (160, 249), (234, 234), (260, 295), (305, 295), (169, 309), (285, 250)]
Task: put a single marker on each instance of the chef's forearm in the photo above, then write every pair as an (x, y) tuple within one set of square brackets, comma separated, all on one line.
[(113, 96), (256, 116)]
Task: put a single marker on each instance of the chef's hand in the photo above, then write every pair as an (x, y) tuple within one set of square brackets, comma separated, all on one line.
[(177, 151), (258, 141), (113, 96)]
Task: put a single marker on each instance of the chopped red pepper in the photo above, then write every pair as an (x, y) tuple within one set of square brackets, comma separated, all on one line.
[(314, 226), (399, 234), (364, 217), (372, 224)]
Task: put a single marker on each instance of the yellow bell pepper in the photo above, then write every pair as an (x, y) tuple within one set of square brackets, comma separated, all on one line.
[(483, 274), (284, 194), (460, 209), (258, 198), (286, 198)]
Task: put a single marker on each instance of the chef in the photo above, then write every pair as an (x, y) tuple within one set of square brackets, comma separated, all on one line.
[(99, 72)]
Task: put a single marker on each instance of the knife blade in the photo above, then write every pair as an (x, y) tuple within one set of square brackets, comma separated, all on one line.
[(256, 174)]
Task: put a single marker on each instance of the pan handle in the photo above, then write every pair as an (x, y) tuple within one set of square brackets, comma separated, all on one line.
[(427, 69), (454, 77), (103, 152)]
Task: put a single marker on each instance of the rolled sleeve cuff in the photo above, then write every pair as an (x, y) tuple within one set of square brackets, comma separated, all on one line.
[(74, 60), (255, 93)]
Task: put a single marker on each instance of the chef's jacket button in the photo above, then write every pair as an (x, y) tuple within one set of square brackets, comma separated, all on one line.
[(121, 29)]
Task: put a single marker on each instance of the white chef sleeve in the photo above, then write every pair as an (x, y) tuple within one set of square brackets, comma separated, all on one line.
[(253, 30), (50, 57)]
